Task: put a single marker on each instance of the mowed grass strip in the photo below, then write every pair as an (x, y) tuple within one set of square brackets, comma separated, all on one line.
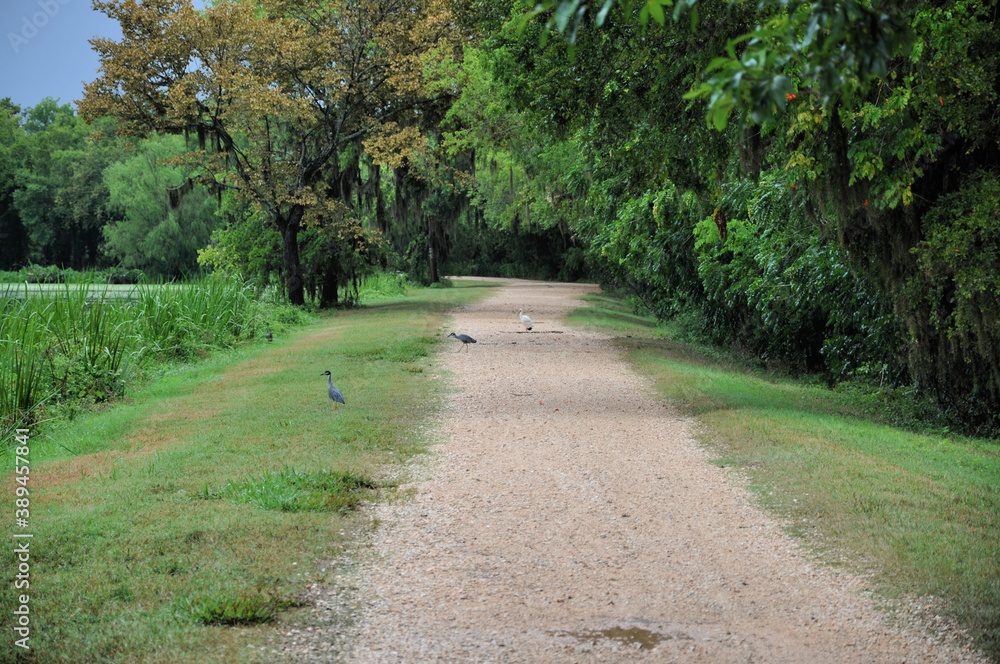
[(184, 521), (920, 512)]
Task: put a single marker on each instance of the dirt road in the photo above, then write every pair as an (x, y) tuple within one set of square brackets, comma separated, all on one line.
[(568, 516)]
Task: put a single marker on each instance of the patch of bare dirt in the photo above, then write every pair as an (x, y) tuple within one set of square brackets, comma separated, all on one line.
[(66, 472), (568, 516)]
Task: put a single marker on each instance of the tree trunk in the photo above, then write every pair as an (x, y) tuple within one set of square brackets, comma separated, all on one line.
[(289, 227), (380, 217), (432, 259), (401, 203), (328, 294), (430, 226), (330, 279)]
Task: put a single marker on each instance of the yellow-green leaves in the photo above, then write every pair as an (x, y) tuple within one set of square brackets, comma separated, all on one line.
[(279, 87)]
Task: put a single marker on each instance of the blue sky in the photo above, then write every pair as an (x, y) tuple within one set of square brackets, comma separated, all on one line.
[(44, 50)]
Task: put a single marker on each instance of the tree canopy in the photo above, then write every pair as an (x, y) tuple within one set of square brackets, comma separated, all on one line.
[(842, 192), (814, 182), (275, 91)]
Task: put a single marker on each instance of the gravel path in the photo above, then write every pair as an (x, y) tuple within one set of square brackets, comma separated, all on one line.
[(568, 516)]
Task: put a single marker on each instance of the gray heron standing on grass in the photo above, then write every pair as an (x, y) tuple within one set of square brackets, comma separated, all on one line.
[(525, 319), (335, 394), (464, 338), (267, 332)]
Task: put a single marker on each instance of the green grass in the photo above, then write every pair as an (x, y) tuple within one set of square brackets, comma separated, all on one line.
[(919, 511), (223, 489), (291, 490), (245, 609), (66, 346)]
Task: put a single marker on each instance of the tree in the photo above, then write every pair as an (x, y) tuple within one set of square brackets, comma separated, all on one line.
[(59, 195), (503, 170), (159, 231), (878, 122), (13, 235), (274, 91), (835, 46)]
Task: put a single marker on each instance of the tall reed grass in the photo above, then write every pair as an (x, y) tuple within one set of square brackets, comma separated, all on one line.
[(85, 342)]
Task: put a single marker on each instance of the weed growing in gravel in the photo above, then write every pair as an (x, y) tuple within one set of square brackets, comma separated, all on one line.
[(292, 491), (244, 609)]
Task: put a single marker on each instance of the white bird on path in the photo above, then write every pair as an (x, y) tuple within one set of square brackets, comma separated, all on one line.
[(335, 394), (524, 319)]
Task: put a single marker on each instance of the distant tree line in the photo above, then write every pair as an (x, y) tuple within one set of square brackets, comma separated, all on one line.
[(79, 197)]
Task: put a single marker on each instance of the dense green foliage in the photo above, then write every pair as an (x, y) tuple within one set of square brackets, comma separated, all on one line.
[(833, 207), (74, 197), (50, 274), (817, 183), (52, 198), (156, 232)]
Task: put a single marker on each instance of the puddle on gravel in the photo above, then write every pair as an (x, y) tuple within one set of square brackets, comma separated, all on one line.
[(644, 638)]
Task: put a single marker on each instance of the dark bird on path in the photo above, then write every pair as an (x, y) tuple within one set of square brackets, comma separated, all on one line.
[(464, 338), (524, 319), (335, 394), (267, 333)]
